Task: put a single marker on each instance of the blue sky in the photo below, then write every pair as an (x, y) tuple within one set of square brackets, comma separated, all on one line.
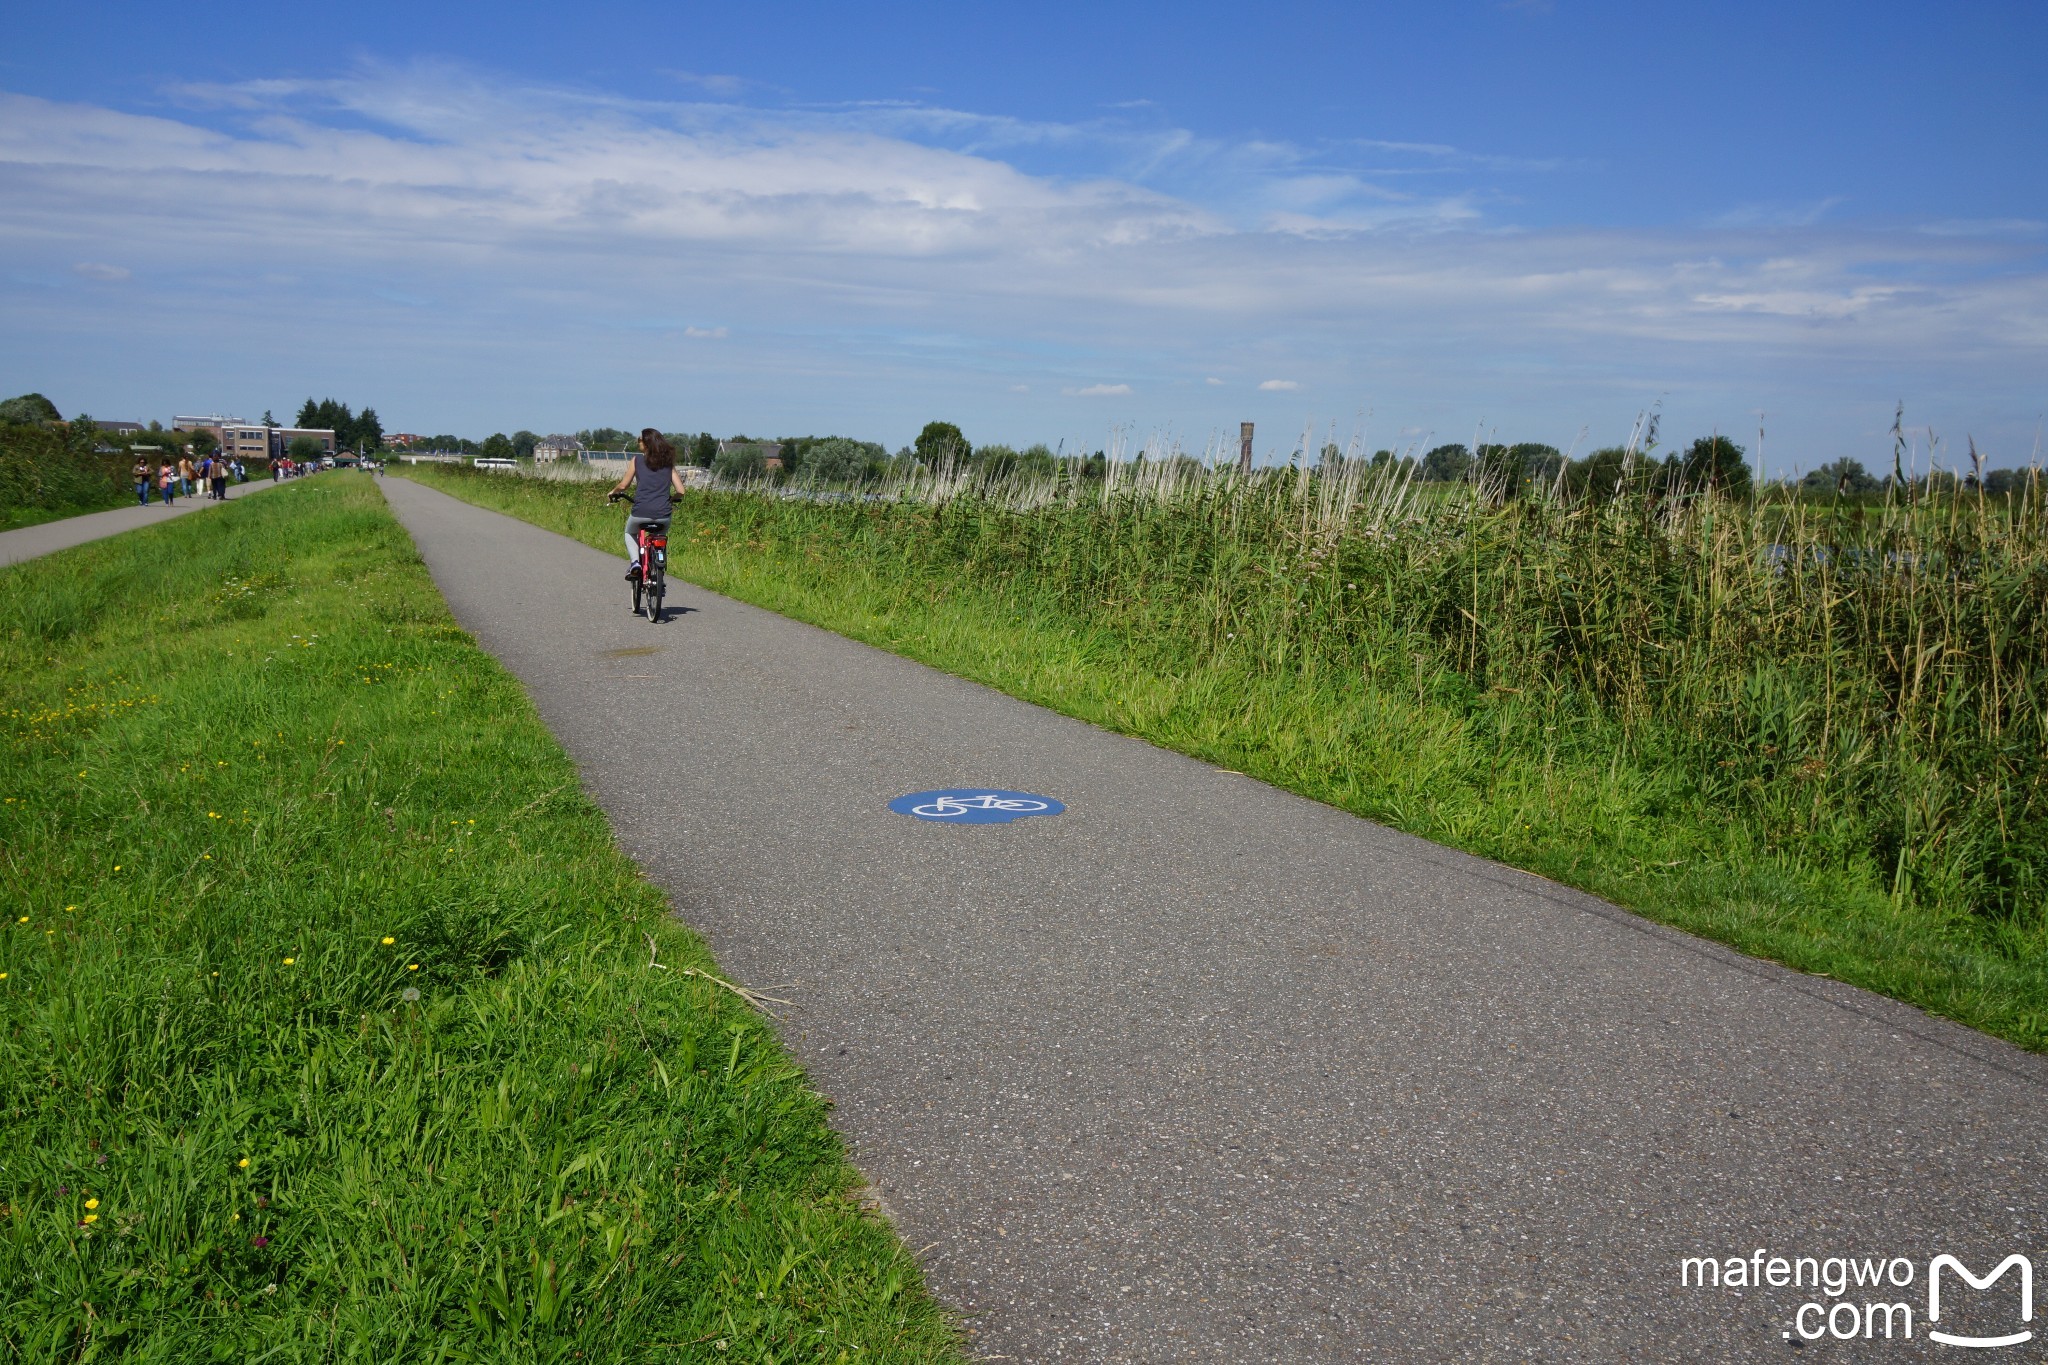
[(1056, 222)]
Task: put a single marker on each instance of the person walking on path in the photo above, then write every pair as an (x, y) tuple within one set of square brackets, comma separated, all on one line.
[(655, 483), (167, 482), (186, 473), (220, 479), (141, 476)]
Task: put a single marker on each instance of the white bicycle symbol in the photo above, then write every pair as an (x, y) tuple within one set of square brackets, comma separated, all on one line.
[(960, 805)]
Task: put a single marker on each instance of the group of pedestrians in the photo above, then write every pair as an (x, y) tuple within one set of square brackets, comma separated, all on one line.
[(172, 480)]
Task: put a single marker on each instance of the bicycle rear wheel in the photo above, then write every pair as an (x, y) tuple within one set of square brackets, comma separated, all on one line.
[(655, 592), (636, 596)]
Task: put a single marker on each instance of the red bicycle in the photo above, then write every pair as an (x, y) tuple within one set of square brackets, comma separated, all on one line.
[(650, 585)]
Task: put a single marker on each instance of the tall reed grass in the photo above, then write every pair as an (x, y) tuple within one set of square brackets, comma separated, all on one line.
[(1867, 682)]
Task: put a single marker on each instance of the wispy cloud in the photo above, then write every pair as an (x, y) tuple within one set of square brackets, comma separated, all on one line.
[(1100, 391), (100, 270), (1280, 386), (705, 333), (1778, 215)]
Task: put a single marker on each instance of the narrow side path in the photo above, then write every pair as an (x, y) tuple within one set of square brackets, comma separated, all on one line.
[(1201, 1070), (29, 542)]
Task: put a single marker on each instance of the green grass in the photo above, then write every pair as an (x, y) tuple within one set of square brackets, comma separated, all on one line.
[(14, 518), (1454, 688), (328, 1024)]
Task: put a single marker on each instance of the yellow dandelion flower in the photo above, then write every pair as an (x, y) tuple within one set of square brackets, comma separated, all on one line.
[(92, 1203), (3, 976), (289, 961), (388, 940), (213, 815), (22, 920), (92, 1218), (243, 1164), (412, 966)]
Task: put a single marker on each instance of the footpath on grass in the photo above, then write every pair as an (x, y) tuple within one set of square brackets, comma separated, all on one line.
[(1200, 1069), (48, 537), (333, 1025)]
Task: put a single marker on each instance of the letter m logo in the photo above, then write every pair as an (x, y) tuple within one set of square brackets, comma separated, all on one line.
[(2026, 1269)]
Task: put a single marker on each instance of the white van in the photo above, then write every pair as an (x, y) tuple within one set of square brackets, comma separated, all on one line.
[(493, 462)]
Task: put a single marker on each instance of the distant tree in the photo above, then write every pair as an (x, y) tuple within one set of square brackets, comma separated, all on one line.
[(1600, 474), (2006, 482), (740, 460), (1717, 464), (304, 449), (268, 420), (201, 442), (1497, 468), (29, 409), (1037, 459), (1538, 463), (704, 450), (840, 459), (1841, 476), (942, 441), (351, 432), (607, 438), (81, 436), (523, 442), (996, 460), (1446, 464), (498, 446)]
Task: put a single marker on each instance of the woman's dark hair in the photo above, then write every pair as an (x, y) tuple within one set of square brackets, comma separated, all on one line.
[(660, 454)]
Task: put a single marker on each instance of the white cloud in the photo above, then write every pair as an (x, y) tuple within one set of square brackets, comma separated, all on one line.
[(1099, 391), (1020, 388), (713, 333), (1213, 382), (99, 270), (1280, 386)]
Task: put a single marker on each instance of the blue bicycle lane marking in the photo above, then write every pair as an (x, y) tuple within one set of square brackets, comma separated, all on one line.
[(974, 806)]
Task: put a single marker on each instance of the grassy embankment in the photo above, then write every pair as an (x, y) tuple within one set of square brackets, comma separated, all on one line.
[(1842, 766), (48, 474), (328, 1021)]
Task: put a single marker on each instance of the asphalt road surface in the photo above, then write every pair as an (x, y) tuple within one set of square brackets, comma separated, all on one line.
[(30, 542), (1200, 1070)]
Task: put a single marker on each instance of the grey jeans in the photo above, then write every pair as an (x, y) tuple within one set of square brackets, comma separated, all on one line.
[(633, 525)]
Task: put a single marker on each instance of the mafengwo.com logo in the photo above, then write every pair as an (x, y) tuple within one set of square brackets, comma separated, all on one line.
[(1862, 1298)]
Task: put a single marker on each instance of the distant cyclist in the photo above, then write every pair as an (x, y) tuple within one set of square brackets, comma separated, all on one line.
[(655, 482)]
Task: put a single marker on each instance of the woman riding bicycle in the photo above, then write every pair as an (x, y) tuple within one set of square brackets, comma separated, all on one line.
[(655, 482)]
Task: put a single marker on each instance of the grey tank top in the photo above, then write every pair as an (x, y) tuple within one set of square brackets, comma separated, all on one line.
[(651, 495)]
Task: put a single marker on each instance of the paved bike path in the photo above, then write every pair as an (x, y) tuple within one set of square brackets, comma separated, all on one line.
[(31, 542), (1201, 1070)]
